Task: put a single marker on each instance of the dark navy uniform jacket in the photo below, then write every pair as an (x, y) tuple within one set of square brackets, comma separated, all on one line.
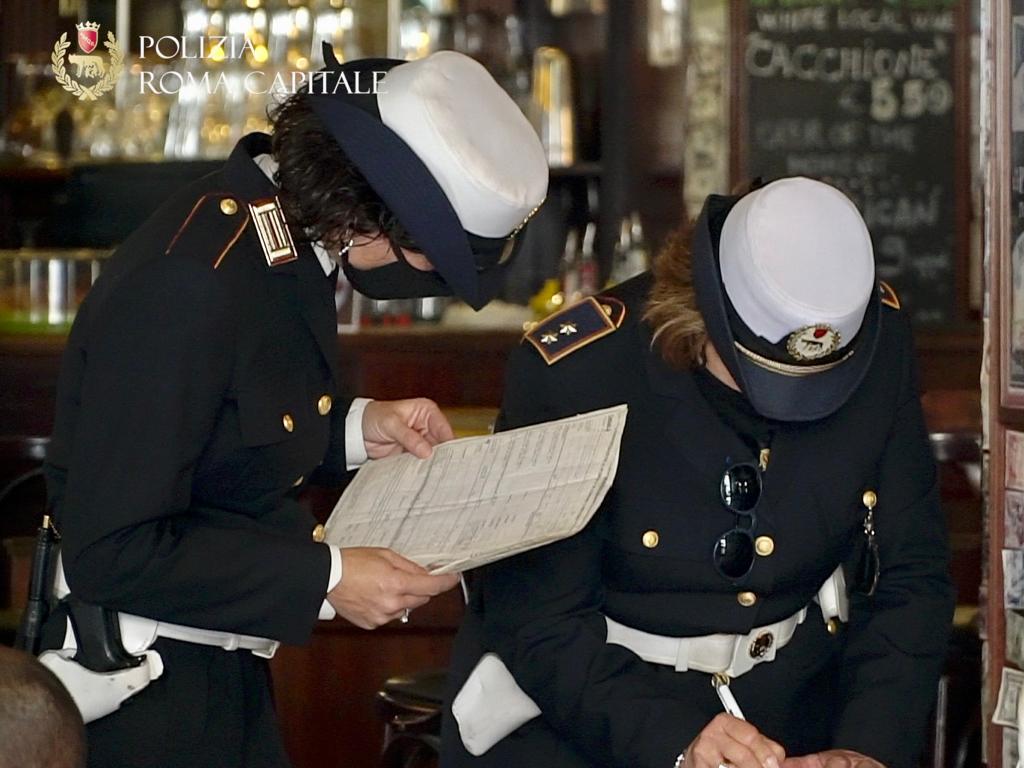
[(869, 687), (198, 394), (187, 416)]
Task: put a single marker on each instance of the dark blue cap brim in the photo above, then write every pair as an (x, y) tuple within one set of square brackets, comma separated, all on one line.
[(773, 394), (408, 189)]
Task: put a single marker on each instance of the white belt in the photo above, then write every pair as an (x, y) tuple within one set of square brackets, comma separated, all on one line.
[(138, 633), (732, 655), (259, 646)]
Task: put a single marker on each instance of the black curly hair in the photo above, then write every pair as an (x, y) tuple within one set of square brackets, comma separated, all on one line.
[(324, 195)]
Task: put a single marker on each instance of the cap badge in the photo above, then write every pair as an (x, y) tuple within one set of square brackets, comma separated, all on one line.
[(812, 342)]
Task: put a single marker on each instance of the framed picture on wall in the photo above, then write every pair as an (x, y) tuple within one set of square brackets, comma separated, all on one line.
[(1008, 183)]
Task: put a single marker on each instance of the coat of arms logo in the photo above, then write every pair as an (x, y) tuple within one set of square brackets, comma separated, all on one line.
[(88, 66)]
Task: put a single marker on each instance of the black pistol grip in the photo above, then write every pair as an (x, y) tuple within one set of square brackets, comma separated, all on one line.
[(98, 632)]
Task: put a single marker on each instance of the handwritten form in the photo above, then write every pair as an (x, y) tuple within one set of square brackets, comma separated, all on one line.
[(481, 499)]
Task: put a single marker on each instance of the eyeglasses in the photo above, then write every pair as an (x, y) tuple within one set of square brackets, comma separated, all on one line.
[(740, 491)]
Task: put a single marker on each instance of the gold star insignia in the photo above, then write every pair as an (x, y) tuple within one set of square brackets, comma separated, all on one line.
[(548, 338), (567, 329)]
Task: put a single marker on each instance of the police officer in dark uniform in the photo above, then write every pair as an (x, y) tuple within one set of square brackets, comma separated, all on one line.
[(774, 434), (199, 395)]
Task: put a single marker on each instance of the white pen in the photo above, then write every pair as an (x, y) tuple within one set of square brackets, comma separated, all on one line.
[(720, 681)]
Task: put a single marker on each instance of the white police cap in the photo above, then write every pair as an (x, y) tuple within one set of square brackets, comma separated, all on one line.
[(796, 258), (468, 132)]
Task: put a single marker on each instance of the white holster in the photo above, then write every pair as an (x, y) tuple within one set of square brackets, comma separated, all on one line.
[(97, 694), (491, 705)]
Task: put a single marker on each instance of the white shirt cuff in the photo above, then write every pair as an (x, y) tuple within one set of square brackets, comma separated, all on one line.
[(355, 447), (327, 611)]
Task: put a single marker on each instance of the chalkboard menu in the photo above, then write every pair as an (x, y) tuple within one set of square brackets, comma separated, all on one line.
[(861, 94)]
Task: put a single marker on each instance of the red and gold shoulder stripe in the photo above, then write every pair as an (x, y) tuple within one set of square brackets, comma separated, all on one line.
[(213, 226), (889, 297)]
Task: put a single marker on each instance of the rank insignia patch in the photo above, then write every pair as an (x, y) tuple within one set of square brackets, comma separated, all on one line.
[(575, 327), (272, 229)]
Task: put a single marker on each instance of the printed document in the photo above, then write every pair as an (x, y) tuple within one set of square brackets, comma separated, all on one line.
[(481, 499)]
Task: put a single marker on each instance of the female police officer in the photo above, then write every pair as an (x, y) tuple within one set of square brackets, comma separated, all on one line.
[(200, 393), (774, 433)]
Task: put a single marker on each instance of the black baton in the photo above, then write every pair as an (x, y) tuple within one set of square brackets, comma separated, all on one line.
[(39, 588)]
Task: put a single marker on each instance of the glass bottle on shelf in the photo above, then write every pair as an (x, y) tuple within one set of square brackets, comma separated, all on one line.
[(514, 70), (223, 111), (551, 108), (565, 7), (631, 256), (640, 254), (620, 256), (334, 22), (414, 32), (570, 268), (588, 268), (444, 25), (665, 21), (185, 119)]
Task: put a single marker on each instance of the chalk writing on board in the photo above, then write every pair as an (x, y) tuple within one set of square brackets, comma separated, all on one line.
[(861, 95)]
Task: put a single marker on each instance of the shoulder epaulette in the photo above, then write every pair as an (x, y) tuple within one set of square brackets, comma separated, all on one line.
[(576, 326), (889, 297), (212, 227)]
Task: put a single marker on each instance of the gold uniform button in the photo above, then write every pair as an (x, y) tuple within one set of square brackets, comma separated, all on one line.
[(228, 206), (651, 539), (746, 599), (869, 499), (298, 482), (833, 626), (323, 405), (764, 545), (319, 533), (288, 423)]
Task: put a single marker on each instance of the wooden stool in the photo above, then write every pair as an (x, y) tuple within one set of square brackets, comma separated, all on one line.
[(410, 706)]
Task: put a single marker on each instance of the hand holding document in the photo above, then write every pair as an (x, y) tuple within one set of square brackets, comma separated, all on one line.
[(481, 499)]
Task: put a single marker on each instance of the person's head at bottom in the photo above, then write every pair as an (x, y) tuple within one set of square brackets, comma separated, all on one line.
[(40, 726), (420, 189)]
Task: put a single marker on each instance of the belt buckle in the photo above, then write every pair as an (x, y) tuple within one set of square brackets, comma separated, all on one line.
[(762, 647)]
